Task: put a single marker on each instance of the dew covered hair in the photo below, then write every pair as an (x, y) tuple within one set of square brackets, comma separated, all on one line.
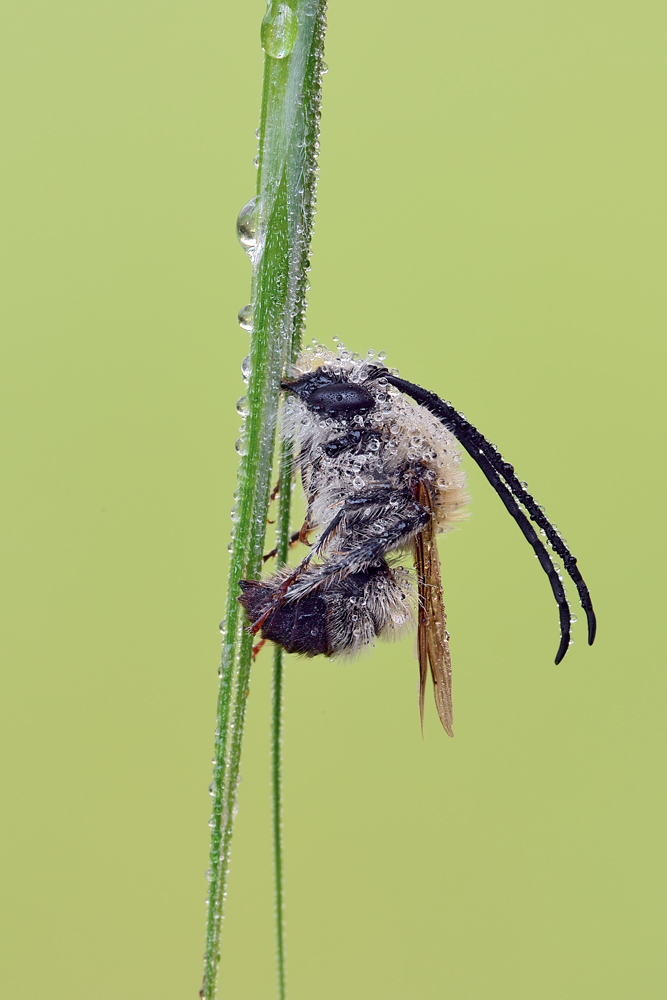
[(341, 389)]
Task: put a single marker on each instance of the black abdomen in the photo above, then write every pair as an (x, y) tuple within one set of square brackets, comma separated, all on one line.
[(298, 626)]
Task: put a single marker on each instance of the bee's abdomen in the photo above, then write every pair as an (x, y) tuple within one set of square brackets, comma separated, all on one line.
[(298, 626), (336, 616)]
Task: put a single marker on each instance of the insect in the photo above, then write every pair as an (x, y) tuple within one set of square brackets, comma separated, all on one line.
[(380, 466)]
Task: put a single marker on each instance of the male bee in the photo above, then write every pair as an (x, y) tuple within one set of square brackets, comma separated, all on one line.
[(381, 475)]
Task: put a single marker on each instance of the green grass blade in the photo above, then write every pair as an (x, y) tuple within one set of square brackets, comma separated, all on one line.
[(277, 236), (282, 546)]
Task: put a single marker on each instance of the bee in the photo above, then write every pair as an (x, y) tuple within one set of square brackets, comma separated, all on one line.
[(379, 460)]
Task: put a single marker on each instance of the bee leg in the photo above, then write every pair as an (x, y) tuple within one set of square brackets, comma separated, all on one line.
[(395, 534), (295, 537), (407, 519), (304, 532), (275, 492), (256, 648), (379, 497)]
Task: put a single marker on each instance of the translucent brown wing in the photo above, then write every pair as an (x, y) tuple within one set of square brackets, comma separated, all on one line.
[(432, 634)]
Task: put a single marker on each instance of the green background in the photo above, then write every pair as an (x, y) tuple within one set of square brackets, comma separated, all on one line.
[(492, 214)]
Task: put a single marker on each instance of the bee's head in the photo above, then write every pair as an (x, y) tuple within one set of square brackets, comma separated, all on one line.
[(330, 395)]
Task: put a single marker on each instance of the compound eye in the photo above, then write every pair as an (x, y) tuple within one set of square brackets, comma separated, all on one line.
[(340, 399)]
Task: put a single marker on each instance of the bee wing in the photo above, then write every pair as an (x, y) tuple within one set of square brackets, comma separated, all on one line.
[(432, 634)]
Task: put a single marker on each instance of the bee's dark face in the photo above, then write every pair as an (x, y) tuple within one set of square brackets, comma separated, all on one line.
[(331, 396)]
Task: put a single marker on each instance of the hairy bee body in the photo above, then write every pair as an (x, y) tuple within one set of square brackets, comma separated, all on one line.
[(362, 451), (345, 454), (381, 478), (337, 617)]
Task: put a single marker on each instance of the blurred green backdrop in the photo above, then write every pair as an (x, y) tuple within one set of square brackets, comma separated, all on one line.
[(492, 214)]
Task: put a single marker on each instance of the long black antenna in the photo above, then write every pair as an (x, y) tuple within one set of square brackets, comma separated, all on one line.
[(496, 469)]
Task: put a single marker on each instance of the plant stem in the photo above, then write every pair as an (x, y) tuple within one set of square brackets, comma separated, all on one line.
[(276, 800), (282, 546), (277, 237)]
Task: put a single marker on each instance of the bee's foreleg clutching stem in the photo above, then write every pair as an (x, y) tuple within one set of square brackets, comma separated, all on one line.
[(294, 539), (257, 647)]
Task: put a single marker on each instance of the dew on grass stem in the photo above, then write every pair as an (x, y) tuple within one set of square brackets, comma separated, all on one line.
[(246, 225), (279, 30), (245, 318)]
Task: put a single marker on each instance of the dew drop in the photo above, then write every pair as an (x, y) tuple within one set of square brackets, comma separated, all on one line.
[(246, 368), (325, 68), (382, 355), (255, 162), (242, 407), (246, 226), (245, 318), (279, 29), (241, 447)]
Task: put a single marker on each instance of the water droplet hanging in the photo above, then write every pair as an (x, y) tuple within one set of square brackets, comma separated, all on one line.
[(279, 30)]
